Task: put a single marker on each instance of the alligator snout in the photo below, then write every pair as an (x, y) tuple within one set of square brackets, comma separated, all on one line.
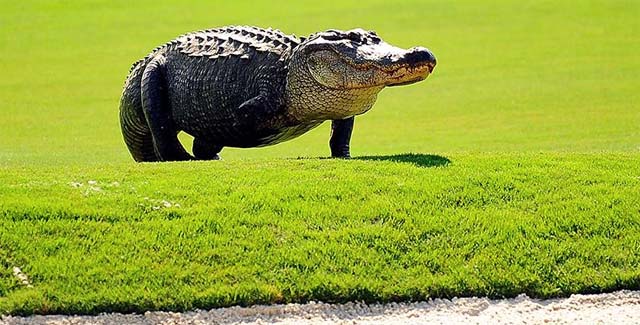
[(420, 56)]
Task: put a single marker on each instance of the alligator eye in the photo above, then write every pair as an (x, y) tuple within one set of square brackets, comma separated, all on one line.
[(332, 35), (354, 37)]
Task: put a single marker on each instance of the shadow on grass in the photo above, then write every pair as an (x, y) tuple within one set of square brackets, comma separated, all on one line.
[(418, 159)]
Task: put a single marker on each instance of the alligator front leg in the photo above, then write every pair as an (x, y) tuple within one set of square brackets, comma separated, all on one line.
[(340, 137), (157, 112)]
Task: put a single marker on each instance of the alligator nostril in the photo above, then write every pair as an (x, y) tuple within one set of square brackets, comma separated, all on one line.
[(420, 55)]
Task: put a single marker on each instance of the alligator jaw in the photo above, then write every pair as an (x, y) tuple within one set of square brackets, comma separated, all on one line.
[(398, 67), (409, 74)]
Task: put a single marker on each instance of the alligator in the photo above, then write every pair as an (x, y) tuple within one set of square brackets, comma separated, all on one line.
[(241, 86)]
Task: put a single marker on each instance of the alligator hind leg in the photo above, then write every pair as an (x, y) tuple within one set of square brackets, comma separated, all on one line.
[(155, 104), (340, 137), (202, 150)]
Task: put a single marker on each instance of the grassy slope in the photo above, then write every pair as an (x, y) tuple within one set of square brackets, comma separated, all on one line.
[(550, 76), (377, 229), (539, 75)]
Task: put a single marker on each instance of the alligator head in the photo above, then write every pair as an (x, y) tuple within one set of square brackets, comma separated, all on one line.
[(345, 70)]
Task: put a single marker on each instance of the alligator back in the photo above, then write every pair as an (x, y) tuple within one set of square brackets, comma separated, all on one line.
[(209, 74)]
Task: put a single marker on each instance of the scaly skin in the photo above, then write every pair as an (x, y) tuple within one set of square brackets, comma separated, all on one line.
[(251, 87)]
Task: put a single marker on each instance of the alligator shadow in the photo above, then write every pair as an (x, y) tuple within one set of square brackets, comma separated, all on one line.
[(417, 159)]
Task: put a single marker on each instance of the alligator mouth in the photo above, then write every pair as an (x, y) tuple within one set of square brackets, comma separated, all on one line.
[(407, 74), (390, 75), (413, 67)]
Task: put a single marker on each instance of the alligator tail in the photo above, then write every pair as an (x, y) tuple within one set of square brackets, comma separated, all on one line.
[(135, 130)]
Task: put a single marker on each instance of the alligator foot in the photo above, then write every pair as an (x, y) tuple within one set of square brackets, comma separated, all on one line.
[(203, 150), (214, 157)]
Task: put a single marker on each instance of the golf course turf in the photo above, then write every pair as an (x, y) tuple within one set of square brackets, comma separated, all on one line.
[(514, 168)]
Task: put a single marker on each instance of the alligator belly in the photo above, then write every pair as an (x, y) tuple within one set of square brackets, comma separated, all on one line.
[(288, 133), (265, 137)]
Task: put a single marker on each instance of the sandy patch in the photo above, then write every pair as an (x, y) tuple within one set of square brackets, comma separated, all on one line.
[(622, 307)]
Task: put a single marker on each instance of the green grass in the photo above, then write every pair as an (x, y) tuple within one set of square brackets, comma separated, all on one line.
[(511, 75), (381, 228), (533, 184)]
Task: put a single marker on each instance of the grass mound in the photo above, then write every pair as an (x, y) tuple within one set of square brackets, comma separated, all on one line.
[(181, 236), (84, 230)]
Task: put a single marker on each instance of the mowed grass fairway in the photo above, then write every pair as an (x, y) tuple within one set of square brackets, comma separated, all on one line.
[(515, 168)]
